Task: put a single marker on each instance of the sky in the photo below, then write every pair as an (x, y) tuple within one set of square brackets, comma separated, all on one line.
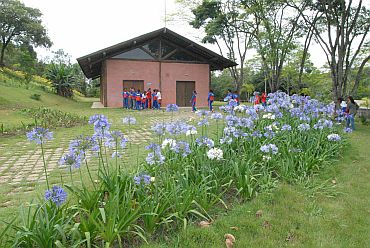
[(80, 27)]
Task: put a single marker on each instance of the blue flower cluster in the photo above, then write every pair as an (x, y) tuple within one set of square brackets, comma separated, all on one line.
[(39, 135), (57, 195), (142, 179), (172, 108), (269, 148), (155, 156)]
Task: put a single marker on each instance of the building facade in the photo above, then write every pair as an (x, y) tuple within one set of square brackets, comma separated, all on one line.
[(161, 60)]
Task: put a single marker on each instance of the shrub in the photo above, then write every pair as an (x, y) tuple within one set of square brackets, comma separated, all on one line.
[(36, 97)]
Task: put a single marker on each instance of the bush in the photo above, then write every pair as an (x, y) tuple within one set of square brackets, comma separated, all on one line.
[(36, 97)]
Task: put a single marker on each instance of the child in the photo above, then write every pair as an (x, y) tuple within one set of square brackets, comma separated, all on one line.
[(132, 98), (210, 99), (155, 99), (143, 100), (125, 94), (138, 99), (149, 98), (159, 97), (257, 99), (236, 97), (264, 99), (193, 101)]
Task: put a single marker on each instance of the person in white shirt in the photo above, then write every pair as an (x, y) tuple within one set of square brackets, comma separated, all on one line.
[(159, 97)]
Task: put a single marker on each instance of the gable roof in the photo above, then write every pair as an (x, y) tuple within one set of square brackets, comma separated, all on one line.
[(91, 64)]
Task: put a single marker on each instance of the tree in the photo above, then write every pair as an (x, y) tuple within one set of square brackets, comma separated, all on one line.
[(341, 29), (20, 24), (277, 28), (248, 89), (226, 24)]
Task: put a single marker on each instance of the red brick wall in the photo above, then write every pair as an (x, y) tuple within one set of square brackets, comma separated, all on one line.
[(149, 72)]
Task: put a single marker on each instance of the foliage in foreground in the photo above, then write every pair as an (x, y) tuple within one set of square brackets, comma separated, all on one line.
[(185, 176)]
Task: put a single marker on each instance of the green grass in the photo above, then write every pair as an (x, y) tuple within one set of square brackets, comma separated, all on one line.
[(319, 213)]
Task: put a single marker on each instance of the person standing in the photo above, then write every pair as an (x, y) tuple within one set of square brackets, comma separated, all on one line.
[(257, 99), (155, 99), (125, 94), (352, 108), (193, 101), (159, 99), (236, 97), (149, 98), (138, 99), (132, 98), (210, 99), (264, 99)]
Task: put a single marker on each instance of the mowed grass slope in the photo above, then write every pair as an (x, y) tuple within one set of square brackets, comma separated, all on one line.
[(331, 210)]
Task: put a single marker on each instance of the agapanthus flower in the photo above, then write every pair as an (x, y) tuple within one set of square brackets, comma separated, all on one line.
[(226, 140), (233, 103), (323, 123), (269, 134), (240, 108), (286, 127), (216, 116), (168, 143), (154, 157), (119, 138), (71, 160), (256, 133), (348, 130), (172, 108), (129, 120), (303, 127), (176, 128), (39, 135), (247, 123), (181, 147), (82, 144), (56, 195), (191, 132), (215, 154), (159, 128), (100, 122), (203, 122), (269, 148), (142, 179), (269, 116), (232, 120), (334, 137), (202, 113), (205, 141)]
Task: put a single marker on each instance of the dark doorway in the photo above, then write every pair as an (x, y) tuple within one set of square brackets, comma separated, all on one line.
[(184, 91), (136, 84)]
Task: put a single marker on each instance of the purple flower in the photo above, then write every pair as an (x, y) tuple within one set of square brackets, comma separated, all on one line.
[(269, 148), (303, 127), (56, 195), (159, 128), (82, 144), (100, 122), (205, 141), (39, 135), (142, 179), (154, 157), (119, 138), (286, 127), (129, 120), (71, 160), (181, 147), (216, 116), (203, 122), (176, 128), (347, 130), (172, 108)]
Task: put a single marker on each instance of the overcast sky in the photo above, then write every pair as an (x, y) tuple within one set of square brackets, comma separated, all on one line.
[(80, 27)]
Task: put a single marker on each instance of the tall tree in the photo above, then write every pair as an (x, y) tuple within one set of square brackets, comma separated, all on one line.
[(277, 28), (226, 24), (20, 24), (342, 32)]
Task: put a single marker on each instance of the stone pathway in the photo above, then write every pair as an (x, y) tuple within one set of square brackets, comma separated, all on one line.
[(21, 164)]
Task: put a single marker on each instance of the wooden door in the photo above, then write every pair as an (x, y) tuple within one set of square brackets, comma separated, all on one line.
[(136, 84), (184, 91)]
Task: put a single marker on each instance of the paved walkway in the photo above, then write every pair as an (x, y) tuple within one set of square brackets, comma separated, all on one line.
[(21, 164)]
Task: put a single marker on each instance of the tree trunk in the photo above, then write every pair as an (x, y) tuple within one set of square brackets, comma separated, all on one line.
[(2, 56)]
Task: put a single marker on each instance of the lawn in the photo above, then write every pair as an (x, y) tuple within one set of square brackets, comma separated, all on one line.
[(328, 210)]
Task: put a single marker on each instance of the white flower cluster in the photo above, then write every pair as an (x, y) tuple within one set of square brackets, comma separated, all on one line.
[(168, 142), (191, 132), (334, 137), (240, 108), (269, 116), (272, 127), (215, 154)]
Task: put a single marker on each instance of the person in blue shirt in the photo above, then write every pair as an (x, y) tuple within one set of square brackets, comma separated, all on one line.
[(210, 99), (125, 94), (193, 101), (236, 97)]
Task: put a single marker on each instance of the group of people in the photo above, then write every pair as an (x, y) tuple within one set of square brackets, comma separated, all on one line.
[(135, 99), (348, 110), (210, 100), (257, 99)]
